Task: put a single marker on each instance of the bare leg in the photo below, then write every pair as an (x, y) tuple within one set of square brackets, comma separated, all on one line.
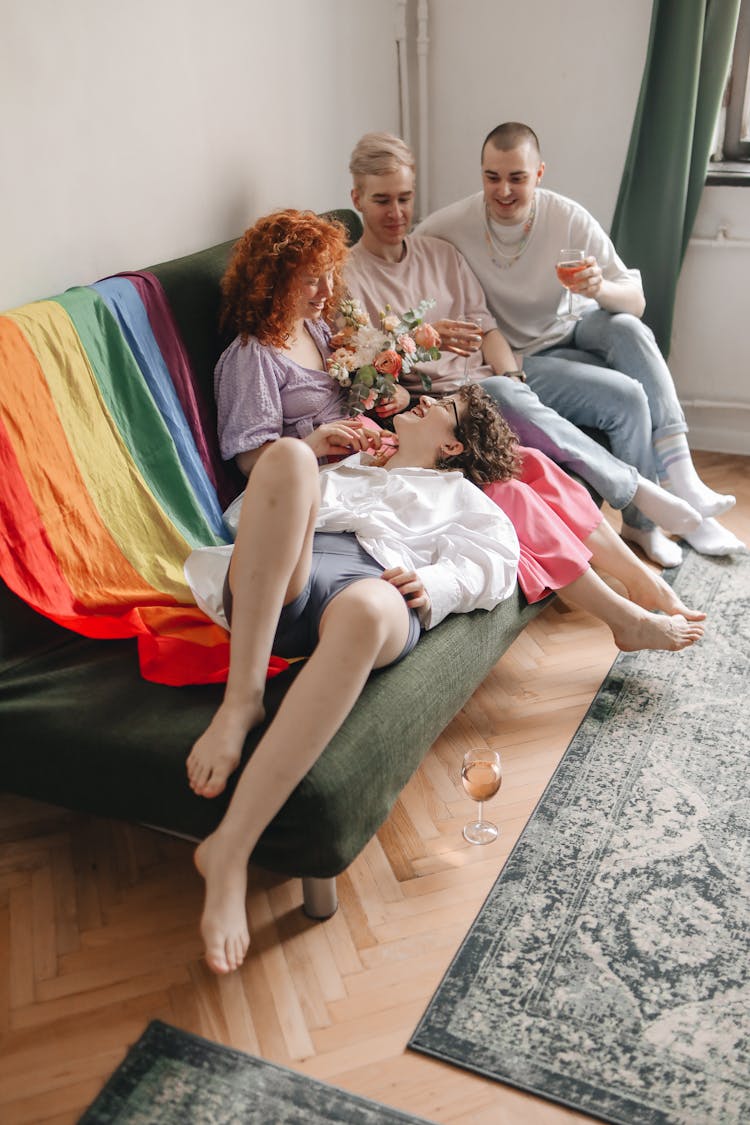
[(644, 586), (363, 627), (270, 565), (632, 626)]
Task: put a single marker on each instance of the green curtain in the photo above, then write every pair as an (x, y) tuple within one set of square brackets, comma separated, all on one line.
[(689, 52)]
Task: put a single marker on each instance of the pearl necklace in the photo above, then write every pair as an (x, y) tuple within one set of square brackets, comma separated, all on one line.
[(494, 245)]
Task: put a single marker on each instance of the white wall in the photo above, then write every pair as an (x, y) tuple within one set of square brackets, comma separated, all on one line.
[(135, 132), (710, 359), (571, 69)]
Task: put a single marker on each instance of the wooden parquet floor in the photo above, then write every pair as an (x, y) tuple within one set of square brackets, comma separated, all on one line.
[(98, 919)]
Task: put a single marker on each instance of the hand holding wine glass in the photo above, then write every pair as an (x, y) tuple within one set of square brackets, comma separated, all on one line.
[(570, 263), (482, 776)]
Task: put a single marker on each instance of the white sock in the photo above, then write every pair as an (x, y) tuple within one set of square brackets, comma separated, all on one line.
[(654, 544), (677, 473), (676, 516), (713, 539)]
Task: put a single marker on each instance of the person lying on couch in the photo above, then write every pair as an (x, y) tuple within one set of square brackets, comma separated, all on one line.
[(345, 566)]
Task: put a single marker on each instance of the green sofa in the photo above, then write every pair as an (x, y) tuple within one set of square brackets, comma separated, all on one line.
[(80, 727)]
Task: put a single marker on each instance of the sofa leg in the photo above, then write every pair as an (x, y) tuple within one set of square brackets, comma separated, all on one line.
[(319, 897)]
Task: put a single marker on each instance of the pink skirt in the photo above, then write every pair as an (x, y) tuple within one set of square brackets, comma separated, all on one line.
[(553, 515)]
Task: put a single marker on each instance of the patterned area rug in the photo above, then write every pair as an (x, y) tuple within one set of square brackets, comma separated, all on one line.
[(608, 968), (170, 1077)]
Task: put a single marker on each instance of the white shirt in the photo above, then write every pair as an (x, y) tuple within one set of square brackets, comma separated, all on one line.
[(462, 546), (525, 297)]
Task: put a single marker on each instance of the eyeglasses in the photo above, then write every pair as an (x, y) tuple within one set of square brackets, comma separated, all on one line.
[(452, 401)]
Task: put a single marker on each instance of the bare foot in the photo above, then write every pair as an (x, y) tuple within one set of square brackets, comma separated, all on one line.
[(650, 591), (224, 920), (217, 752), (657, 631)]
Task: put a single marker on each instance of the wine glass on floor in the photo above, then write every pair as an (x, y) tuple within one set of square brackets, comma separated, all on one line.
[(569, 263), (482, 776)]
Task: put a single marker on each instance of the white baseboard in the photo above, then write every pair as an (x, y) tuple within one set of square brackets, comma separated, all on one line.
[(719, 429)]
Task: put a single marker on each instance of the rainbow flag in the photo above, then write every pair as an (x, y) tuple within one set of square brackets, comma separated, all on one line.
[(108, 479)]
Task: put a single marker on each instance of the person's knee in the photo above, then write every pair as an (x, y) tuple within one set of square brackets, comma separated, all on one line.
[(286, 469), (629, 329), (374, 601), (367, 611), (289, 456), (627, 398)]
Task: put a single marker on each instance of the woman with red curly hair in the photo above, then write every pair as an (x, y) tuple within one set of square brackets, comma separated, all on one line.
[(283, 281)]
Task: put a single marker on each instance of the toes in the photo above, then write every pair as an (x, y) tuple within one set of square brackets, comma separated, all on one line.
[(226, 955), (236, 949), (212, 787), (199, 776), (217, 961)]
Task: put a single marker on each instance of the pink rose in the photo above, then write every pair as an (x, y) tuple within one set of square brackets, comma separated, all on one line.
[(426, 336), (407, 345), (388, 363)]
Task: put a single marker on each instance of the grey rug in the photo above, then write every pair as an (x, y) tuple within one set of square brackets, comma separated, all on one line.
[(608, 968), (171, 1077)]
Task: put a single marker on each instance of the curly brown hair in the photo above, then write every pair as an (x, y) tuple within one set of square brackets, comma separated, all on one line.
[(258, 285), (490, 450)]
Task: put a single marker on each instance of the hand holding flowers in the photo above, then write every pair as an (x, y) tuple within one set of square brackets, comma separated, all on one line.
[(369, 361)]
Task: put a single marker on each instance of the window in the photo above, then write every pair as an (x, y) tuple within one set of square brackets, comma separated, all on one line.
[(733, 129)]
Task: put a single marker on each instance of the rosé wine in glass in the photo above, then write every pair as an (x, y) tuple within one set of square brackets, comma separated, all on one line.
[(482, 776), (569, 263)]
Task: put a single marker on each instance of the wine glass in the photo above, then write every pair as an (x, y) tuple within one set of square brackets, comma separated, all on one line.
[(569, 263), (482, 776), (468, 319)]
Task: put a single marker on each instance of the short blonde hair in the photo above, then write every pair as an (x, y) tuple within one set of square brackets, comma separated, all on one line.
[(378, 154)]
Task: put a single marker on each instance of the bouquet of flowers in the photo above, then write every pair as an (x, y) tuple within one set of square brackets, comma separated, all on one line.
[(369, 360)]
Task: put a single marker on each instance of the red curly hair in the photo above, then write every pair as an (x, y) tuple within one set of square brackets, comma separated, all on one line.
[(258, 285)]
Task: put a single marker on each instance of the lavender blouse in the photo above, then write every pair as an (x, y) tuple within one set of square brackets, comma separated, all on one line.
[(262, 395)]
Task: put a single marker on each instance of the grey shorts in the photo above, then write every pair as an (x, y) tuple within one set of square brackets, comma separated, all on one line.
[(338, 560)]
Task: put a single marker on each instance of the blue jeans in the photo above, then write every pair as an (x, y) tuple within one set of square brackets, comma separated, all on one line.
[(610, 376)]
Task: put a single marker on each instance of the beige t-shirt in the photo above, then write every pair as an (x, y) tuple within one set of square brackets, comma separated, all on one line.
[(430, 269)]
